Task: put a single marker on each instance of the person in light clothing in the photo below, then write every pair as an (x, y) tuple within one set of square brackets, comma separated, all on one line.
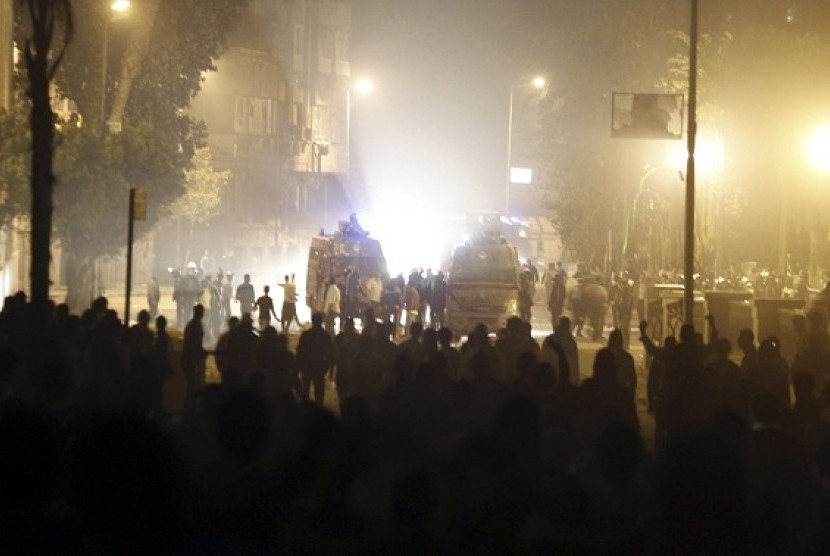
[(374, 291), (331, 304), (289, 305)]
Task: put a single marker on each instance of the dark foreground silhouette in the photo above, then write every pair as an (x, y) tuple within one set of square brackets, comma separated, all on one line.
[(486, 449)]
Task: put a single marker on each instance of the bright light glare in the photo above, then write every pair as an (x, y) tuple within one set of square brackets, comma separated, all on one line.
[(120, 5), (818, 148), (403, 249), (539, 82), (364, 86), (708, 155)]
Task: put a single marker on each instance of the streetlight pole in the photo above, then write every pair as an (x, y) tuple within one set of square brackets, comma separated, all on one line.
[(509, 152), (689, 243), (537, 83), (362, 86), (649, 171), (118, 7), (104, 48)]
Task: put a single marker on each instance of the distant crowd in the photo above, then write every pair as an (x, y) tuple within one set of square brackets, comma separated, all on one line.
[(496, 445)]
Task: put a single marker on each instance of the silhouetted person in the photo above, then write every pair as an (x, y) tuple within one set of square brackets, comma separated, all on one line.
[(412, 346), (772, 374), (345, 351), (163, 348), (193, 354), (451, 354), (725, 383), (626, 370), (222, 350), (265, 305), (682, 389), (245, 295), (563, 336), (746, 343), (274, 363), (314, 358), (140, 337), (813, 359), (602, 401), (153, 296), (438, 300), (556, 297)]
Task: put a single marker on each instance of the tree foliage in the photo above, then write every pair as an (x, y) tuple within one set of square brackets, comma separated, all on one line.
[(158, 139), (601, 48), (203, 190), (16, 149)]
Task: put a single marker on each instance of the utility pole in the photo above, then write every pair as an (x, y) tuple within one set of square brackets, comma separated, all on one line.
[(689, 243), (137, 211)]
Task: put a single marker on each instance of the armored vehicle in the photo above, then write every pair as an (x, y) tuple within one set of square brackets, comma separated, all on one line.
[(483, 284), (350, 248)]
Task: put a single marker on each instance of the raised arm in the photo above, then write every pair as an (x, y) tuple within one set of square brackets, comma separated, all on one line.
[(648, 344)]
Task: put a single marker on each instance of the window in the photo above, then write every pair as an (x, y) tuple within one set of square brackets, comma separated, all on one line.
[(239, 121), (341, 47), (325, 43)]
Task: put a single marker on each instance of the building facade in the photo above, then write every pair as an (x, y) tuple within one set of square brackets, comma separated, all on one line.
[(6, 53), (276, 112)]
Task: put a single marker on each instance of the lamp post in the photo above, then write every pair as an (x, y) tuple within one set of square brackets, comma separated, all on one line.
[(538, 83), (818, 151), (116, 8), (362, 86), (689, 228)]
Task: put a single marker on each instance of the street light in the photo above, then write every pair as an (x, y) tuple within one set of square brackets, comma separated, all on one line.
[(538, 83), (117, 9), (818, 153), (818, 148), (361, 86)]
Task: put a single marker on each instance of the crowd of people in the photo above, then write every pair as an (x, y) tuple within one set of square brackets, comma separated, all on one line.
[(495, 445)]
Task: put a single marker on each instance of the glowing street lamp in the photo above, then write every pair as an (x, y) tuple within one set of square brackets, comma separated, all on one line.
[(362, 86), (818, 148), (539, 83)]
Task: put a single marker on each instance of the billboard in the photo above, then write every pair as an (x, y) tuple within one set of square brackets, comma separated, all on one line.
[(647, 116)]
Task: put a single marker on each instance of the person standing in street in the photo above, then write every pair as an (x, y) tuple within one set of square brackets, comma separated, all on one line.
[(438, 301), (265, 305), (153, 296), (331, 303), (245, 295), (289, 305), (227, 294), (373, 291), (314, 358), (194, 354)]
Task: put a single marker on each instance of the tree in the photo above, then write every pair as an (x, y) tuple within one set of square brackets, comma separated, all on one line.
[(158, 138), (51, 20), (588, 178), (762, 88), (203, 193)]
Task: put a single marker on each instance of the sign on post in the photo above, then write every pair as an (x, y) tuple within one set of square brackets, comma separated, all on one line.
[(647, 116), (140, 204)]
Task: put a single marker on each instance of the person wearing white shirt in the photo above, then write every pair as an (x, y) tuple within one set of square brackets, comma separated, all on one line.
[(374, 290), (331, 303)]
